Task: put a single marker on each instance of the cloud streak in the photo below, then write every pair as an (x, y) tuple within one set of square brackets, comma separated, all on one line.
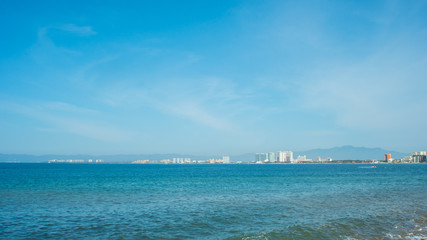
[(378, 92), (79, 30), (212, 103), (67, 118)]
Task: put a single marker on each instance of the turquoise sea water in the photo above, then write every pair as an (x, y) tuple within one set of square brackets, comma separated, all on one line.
[(119, 201)]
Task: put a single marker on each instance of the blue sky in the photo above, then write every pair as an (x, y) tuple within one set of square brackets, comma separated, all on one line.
[(211, 77)]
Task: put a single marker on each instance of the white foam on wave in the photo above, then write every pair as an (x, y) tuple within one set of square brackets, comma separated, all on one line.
[(410, 235)]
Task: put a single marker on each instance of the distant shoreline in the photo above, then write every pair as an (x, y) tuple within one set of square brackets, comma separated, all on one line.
[(243, 163)]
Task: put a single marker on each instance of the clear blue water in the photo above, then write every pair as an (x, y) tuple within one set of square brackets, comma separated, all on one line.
[(119, 201)]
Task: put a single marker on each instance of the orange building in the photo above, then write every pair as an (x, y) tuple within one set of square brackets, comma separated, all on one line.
[(387, 157)]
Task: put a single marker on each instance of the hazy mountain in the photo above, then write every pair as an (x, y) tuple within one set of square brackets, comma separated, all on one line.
[(350, 153), (336, 153)]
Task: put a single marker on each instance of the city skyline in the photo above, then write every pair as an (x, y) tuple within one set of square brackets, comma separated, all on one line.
[(211, 77)]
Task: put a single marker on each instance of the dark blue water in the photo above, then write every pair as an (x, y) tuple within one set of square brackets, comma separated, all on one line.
[(109, 201)]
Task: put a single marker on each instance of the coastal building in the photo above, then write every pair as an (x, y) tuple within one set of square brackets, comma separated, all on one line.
[(406, 159), (165, 161), (320, 159), (214, 161), (387, 157), (180, 160), (285, 156), (261, 157), (144, 161), (66, 161), (419, 157), (302, 158), (271, 157), (226, 159)]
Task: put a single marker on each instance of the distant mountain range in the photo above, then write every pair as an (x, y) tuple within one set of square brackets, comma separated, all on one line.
[(336, 153), (351, 153)]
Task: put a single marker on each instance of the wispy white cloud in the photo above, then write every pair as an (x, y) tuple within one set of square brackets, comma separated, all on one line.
[(70, 28), (79, 30), (91, 129), (195, 112), (67, 108), (211, 102), (381, 91), (67, 118), (46, 48)]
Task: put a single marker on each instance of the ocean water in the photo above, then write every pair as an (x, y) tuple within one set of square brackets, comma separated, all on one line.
[(124, 201)]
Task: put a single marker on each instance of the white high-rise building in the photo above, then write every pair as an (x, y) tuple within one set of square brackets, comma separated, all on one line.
[(285, 156), (271, 157), (419, 157), (226, 159)]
